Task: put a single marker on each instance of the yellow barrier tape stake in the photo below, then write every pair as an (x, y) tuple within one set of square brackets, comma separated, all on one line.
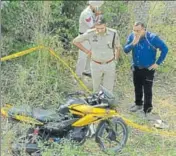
[(18, 54)]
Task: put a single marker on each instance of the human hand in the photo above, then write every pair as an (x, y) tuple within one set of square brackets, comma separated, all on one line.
[(136, 39), (153, 67), (97, 13), (116, 57), (117, 53), (89, 54)]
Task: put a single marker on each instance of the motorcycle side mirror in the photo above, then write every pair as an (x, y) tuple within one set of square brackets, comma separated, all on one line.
[(100, 93), (107, 92)]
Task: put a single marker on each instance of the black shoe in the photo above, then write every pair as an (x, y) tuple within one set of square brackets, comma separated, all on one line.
[(87, 74)]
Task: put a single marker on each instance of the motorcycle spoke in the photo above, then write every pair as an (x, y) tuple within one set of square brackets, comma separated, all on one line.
[(113, 135)]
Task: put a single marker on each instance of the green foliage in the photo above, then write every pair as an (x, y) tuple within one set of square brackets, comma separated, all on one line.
[(116, 14), (40, 80), (65, 148), (65, 21), (20, 22)]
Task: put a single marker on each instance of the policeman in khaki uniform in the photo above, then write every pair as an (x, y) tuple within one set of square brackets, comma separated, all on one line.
[(105, 49), (87, 20)]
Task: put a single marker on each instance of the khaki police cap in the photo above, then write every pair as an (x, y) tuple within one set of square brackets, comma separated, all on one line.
[(96, 3)]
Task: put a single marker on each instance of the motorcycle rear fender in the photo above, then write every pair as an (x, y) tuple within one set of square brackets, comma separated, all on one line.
[(5, 109), (27, 119), (23, 118)]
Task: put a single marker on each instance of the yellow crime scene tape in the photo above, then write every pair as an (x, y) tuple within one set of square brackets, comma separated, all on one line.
[(143, 128), (18, 54)]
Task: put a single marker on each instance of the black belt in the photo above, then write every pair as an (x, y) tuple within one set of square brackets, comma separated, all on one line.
[(104, 62), (140, 67)]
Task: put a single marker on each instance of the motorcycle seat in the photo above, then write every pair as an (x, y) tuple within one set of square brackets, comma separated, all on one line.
[(45, 115)]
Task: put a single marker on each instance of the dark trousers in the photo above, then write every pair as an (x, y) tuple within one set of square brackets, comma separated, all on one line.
[(143, 82)]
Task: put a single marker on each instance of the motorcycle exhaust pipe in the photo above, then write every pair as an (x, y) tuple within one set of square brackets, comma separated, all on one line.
[(29, 148)]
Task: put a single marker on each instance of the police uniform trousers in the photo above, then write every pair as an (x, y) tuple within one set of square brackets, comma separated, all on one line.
[(83, 63), (103, 72)]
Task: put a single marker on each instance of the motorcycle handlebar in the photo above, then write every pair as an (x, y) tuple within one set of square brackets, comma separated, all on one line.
[(93, 99), (76, 93)]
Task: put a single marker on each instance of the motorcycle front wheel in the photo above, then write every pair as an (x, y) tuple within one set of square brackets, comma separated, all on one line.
[(111, 135)]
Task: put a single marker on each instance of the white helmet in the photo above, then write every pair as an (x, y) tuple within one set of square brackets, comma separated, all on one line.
[(96, 3)]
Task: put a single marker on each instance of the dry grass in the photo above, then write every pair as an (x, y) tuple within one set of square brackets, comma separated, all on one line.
[(139, 143), (39, 80)]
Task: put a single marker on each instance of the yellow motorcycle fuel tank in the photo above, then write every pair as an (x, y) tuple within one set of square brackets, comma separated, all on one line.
[(89, 114)]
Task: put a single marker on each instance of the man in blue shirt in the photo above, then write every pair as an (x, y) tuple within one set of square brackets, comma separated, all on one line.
[(144, 45)]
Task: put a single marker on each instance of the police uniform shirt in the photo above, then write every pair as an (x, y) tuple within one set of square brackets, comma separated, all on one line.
[(87, 20), (101, 45)]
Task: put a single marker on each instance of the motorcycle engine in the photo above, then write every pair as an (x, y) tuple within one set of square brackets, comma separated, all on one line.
[(78, 134)]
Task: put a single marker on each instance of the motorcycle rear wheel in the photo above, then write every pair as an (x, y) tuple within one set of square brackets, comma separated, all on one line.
[(112, 135), (23, 144)]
